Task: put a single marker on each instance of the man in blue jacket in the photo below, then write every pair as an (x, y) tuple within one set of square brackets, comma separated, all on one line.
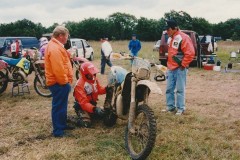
[(134, 45)]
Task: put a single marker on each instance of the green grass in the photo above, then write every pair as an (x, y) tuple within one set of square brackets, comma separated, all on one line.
[(209, 129)]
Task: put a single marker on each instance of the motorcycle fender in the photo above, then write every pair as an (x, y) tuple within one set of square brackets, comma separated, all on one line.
[(154, 88), (80, 59), (24, 64)]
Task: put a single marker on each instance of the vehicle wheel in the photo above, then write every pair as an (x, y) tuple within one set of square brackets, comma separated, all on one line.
[(91, 57), (110, 118), (41, 90), (140, 143), (3, 82)]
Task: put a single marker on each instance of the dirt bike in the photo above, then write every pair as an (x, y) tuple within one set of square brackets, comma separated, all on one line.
[(76, 61), (18, 70), (129, 92), (3, 85)]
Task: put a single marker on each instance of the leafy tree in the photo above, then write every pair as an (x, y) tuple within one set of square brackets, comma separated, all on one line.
[(149, 29), (201, 26), (22, 28), (122, 24), (93, 29), (183, 19)]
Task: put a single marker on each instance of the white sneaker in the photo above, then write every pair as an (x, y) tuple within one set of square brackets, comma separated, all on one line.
[(169, 111), (179, 112)]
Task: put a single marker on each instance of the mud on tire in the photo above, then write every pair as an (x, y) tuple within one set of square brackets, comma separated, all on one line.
[(145, 132)]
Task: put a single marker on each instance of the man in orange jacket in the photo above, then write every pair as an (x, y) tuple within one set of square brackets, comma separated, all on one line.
[(180, 54), (59, 75), (86, 94)]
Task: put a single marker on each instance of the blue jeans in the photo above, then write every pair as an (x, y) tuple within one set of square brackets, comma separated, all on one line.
[(59, 107), (134, 55), (176, 79), (103, 63)]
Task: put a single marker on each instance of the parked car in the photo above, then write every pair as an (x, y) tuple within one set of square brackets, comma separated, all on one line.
[(156, 45), (163, 49), (83, 49), (25, 42)]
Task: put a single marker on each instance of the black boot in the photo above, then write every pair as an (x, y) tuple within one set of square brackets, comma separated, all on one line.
[(108, 99)]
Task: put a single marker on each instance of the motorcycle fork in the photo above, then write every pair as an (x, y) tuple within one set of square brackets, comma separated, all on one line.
[(38, 74), (132, 111), (10, 72), (76, 64)]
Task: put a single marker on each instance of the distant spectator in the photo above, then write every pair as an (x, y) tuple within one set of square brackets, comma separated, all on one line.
[(43, 44), (15, 49), (106, 50), (134, 45), (203, 40)]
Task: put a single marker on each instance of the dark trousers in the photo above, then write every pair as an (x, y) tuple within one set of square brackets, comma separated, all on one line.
[(105, 61), (59, 107), (15, 55)]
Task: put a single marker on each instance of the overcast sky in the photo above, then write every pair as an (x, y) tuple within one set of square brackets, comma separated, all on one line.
[(48, 12)]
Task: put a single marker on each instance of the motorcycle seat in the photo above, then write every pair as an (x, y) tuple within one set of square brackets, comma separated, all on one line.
[(10, 61)]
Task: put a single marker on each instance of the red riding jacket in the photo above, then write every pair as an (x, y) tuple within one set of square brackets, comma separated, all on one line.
[(181, 41), (86, 92)]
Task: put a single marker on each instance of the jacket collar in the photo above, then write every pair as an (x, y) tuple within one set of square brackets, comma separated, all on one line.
[(56, 41)]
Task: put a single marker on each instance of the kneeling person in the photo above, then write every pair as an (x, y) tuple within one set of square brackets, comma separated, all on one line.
[(86, 94)]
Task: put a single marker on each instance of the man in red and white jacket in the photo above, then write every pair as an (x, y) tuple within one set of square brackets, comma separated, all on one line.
[(180, 54), (15, 49)]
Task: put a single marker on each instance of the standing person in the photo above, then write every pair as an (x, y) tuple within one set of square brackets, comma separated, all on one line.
[(106, 50), (59, 75), (134, 45), (179, 44), (43, 44), (14, 49)]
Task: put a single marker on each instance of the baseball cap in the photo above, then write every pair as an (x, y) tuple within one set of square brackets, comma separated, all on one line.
[(170, 24)]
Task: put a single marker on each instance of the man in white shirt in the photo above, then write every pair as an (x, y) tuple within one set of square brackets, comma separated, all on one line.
[(106, 50)]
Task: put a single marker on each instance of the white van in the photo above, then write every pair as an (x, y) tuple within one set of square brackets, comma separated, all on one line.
[(83, 48)]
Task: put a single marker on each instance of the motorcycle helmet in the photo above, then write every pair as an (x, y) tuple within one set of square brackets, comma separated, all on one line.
[(43, 41), (89, 71)]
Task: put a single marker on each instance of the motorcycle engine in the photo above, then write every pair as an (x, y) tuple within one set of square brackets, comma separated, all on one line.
[(19, 76)]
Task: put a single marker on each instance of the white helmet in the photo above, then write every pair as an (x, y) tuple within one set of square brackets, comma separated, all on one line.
[(43, 41)]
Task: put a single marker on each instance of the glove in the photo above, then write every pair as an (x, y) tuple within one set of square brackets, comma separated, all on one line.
[(98, 111)]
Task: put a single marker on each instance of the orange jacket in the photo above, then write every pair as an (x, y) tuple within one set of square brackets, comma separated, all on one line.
[(183, 41), (58, 68), (86, 92)]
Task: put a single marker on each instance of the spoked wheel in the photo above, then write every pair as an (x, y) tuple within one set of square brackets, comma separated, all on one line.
[(140, 141), (42, 90), (3, 82)]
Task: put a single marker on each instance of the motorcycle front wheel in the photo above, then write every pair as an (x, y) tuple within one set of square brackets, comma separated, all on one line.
[(3, 82), (42, 90), (140, 143)]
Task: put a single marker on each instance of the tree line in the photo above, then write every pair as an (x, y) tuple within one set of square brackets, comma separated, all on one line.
[(120, 26)]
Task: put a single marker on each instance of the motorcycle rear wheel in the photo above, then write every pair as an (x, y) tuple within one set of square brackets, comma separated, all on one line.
[(3, 82), (41, 90), (140, 143)]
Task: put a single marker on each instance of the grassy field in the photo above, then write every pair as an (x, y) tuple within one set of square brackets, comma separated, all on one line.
[(210, 129)]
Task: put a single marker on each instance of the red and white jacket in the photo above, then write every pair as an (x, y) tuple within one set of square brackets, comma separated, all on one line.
[(86, 92), (182, 41)]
